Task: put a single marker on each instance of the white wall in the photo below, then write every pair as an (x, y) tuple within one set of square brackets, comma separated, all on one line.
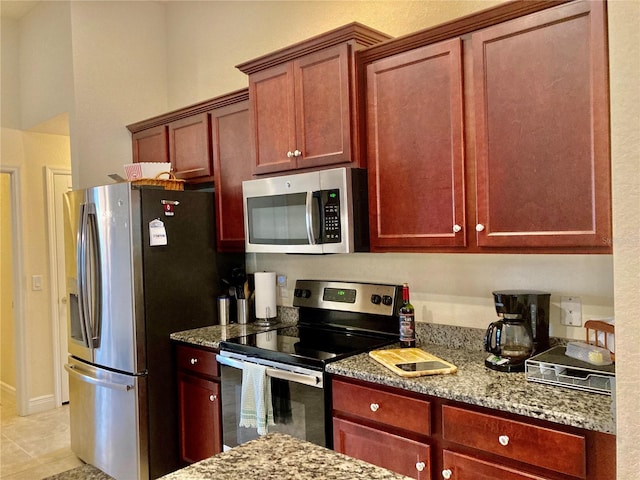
[(120, 77), (624, 52)]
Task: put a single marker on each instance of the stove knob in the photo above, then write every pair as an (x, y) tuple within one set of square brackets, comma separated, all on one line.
[(297, 292), (306, 293), (387, 300), (375, 299)]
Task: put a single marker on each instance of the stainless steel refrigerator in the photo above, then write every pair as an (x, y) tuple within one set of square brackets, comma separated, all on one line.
[(141, 263)]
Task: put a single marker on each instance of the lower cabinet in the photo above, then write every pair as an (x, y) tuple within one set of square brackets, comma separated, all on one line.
[(426, 437), (199, 403), (393, 452)]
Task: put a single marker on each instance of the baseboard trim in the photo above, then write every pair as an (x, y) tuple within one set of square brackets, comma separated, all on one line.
[(41, 404)]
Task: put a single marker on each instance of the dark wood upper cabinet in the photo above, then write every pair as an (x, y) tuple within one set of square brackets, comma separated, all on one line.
[(491, 133), (189, 147), (416, 148), (230, 134), (151, 145), (303, 102), (542, 132)]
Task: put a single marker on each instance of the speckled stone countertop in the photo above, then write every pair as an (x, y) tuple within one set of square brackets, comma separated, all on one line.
[(477, 385), (473, 383), (281, 457)]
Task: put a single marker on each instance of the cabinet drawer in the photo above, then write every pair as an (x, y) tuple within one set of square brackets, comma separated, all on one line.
[(546, 448), (461, 467), (197, 360), (383, 449), (384, 407)]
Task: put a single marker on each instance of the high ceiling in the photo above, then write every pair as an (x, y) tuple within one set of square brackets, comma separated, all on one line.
[(16, 9)]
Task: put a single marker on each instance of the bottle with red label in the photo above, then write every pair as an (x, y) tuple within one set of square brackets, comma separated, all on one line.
[(407, 320)]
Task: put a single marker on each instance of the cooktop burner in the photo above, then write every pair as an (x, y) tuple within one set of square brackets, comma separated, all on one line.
[(336, 320), (305, 345)]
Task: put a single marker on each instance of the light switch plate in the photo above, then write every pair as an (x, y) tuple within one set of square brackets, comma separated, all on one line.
[(571, 311)]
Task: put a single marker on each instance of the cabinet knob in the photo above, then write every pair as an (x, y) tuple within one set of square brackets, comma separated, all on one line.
[(213, 398), (446, 474), (297, 153), (479, 227), (374, 407), (194, 361), (289, 154), (456, 228), (420, 466), (504, 440)]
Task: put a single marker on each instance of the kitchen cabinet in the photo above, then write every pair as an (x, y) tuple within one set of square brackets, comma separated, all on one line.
[(230, 131), (498, 124), (383, 445), (151, 145), (303, 102), (189, 147), (422, 437), (542, 135), (415, 148), (199, 403), (206, 142)]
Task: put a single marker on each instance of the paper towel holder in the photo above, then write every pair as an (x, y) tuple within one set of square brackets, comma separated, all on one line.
[(270, 321)]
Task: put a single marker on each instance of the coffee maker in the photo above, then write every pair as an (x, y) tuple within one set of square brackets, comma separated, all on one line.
[(521, 332)]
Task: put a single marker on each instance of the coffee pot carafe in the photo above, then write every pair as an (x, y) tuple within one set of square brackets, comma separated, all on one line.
[(522, 331)]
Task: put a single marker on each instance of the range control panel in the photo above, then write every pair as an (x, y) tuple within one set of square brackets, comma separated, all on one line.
[(372, 298)]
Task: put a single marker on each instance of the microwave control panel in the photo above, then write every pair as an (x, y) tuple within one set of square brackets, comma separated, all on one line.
[(331, 230)]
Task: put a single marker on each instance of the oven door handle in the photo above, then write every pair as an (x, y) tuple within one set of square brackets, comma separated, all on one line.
[(274, 372), (293, 377)]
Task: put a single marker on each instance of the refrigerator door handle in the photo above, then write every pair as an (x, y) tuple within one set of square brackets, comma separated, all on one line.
[(95, 287), (83, 301), (75, 371)]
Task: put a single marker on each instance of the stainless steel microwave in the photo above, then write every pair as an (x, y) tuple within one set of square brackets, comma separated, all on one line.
[(316, 212)]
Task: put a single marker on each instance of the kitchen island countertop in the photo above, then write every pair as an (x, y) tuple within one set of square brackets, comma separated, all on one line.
[(475, 384), (281, 457)]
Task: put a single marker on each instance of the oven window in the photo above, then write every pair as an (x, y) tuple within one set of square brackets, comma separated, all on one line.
[(298, 410)]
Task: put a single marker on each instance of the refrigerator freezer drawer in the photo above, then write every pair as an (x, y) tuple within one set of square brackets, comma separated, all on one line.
[(108, 420)]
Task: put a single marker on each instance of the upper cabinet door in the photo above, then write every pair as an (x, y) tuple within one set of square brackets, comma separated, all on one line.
[(189, 147), (230, 133), (542, 138), (415, 149), (151, 145), (273, 117), (323, 113)]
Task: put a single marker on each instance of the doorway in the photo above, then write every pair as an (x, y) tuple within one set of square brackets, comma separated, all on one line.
[(58, 183), (11, 220)]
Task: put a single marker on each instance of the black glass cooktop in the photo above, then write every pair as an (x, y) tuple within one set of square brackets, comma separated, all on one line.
[(306, 345)]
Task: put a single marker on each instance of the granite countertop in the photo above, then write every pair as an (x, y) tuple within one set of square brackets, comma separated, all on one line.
[(477, 385), (281, 457), (473, 383)]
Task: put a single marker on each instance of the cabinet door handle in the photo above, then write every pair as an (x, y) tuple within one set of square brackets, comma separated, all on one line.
[(194, 361), (374, 407), (213, 398), (446, 474), (297, 153), (479, 227), (456, 228), (420, 466), (503, 440), (289, 154)]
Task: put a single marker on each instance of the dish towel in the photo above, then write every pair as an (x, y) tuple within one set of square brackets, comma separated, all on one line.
[(255, 403)]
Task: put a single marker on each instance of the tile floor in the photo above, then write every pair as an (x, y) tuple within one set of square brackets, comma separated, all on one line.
[(36, 446)]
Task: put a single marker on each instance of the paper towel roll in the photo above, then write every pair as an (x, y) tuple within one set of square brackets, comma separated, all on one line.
[(265, 283)]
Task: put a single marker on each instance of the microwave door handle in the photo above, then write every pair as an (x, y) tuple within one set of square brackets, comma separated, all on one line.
[(311, 233), (81, 265), (95, 301)]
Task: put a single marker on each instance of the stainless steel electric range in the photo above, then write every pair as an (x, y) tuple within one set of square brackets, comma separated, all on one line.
[(336, 320)]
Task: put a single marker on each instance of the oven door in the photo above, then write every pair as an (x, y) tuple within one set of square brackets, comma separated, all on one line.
[(297, 397)]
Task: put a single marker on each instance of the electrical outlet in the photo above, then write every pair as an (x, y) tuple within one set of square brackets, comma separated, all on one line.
[(571, 311), (282, 286), (36, 283)]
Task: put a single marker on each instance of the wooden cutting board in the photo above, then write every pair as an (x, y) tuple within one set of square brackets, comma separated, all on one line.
[(412, 362)]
